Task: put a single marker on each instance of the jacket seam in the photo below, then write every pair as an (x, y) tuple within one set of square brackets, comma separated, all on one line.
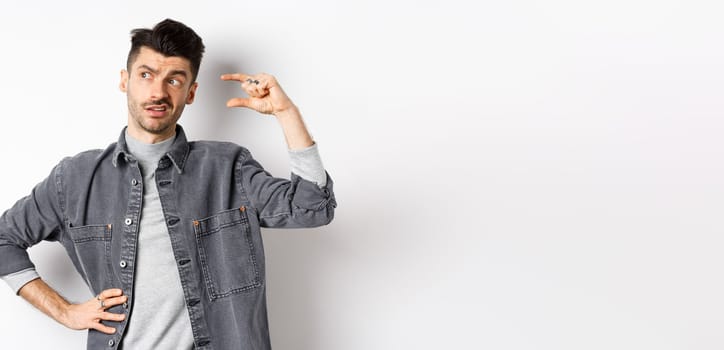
[(239, 176), (61, 198), (289, 213)]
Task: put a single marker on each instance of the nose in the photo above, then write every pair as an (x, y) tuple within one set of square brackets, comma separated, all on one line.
[(158, 90)]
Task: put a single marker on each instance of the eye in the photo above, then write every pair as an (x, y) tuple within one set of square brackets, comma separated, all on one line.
[(174, 82), (145, 75)]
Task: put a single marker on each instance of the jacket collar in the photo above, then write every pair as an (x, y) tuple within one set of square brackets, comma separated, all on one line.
[(177, 155)]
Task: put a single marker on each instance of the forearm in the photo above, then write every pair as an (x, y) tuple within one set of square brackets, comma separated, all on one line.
[(45, 299), (295, 132)]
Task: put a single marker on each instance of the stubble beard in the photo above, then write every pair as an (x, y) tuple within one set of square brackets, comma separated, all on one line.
[(160, 127)]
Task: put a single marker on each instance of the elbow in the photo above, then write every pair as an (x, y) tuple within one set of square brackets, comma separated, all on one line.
[(327, 212), (320, 215)]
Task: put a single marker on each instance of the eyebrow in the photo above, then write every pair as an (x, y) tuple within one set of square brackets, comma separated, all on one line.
[(173, 72)]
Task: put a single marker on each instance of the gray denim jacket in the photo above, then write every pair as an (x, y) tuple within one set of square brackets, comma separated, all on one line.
[(215, 197)]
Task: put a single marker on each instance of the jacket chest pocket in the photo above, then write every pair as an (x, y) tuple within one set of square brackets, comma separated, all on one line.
[(226, 253), (92, 245)]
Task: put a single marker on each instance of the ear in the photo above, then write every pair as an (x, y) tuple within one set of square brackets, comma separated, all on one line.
[(124, 81), (192, 93)]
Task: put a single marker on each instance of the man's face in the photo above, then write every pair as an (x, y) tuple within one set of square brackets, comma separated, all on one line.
[(158, 88)]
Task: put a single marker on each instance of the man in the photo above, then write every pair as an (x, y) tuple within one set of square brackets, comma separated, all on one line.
[(166, 232)]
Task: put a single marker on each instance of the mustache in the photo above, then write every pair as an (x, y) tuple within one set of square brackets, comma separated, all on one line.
[(163, 101)]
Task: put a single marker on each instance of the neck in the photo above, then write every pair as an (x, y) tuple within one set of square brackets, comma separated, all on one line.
[(150, 138)]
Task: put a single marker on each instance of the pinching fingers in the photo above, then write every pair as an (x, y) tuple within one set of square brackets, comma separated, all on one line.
[(240, 77), (238, 102), (255, 87)]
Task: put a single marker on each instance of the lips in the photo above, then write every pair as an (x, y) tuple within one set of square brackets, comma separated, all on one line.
[(157, 110)]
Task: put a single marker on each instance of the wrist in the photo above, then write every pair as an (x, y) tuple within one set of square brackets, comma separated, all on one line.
[(295, 132), (290, 112), (62, 313)]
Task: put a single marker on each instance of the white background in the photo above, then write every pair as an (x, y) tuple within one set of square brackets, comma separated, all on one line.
[(510, 174)]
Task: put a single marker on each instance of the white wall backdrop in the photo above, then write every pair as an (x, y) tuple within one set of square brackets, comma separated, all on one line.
[(510, 174)]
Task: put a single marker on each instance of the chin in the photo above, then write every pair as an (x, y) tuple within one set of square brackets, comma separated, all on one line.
[(156, 127)]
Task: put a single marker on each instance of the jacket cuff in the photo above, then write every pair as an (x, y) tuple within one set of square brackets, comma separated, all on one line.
[(310, 197), (13, 259)]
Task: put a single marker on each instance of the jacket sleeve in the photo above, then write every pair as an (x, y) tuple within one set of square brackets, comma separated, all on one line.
[(32, 219), (283, 203)]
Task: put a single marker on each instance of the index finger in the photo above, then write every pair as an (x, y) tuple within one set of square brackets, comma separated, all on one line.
[(109, 293), (236, 76)]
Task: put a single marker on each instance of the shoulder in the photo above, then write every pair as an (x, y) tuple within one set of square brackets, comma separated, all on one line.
[(217, 150), (89, 159)]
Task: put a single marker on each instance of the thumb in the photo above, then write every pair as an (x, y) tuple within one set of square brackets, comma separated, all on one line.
[(238, 102)]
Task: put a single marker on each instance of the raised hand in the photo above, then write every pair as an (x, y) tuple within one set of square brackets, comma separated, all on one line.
[(265, 94)]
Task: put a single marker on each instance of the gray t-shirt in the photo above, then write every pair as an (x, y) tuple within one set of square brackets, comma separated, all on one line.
[(158, 318)]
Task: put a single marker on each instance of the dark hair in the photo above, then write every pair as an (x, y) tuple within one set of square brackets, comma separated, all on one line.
[(169, 38)]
